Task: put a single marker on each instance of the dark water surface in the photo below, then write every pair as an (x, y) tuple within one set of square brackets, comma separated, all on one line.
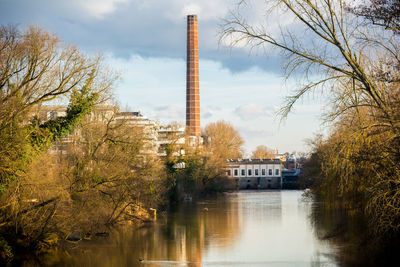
[(248, 228)]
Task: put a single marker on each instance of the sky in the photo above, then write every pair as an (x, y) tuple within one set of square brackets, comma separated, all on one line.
[(145, 40)]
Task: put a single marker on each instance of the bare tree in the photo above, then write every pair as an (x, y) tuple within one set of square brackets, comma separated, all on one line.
[(357, 62), (109, 172), (385, 13), (37, 67), (328, 47)]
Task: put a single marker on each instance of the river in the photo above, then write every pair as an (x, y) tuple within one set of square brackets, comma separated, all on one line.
[(246, 228)]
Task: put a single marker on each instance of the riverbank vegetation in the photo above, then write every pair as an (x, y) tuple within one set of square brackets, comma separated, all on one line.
[(204, 171), (351, 55), (71, 176), (37, 68)]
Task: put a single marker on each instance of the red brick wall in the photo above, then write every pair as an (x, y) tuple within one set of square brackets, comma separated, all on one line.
[(192, 79)]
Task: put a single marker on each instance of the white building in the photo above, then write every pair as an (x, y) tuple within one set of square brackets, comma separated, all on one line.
[(255, 173), (149, 129), (103, 114), (156, 138), (50, 112), (173, 136)]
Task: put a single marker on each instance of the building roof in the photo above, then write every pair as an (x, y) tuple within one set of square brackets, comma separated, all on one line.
[(254, 161), (130, 113)]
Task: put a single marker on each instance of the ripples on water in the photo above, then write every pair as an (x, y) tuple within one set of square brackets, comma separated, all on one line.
[(248, 228)]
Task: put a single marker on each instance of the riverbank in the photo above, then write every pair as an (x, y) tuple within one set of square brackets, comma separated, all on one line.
[(253, 227), (358, 245), (245, 227), (22, 248), (348, 173)]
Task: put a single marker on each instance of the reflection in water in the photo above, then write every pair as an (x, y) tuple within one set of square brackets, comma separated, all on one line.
[(357, 242), (249, 228)]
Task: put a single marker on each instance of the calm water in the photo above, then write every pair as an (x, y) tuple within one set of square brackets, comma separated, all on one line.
[(249, 228)]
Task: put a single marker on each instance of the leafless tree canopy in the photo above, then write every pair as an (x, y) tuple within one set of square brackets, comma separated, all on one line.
[(348, 55), (328, 47), (384, 13), (37, 67)]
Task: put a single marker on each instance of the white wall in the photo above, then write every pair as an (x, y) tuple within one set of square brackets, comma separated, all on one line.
[(246, 167)]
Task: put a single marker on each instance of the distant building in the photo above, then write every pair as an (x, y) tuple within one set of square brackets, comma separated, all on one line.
[(172, 136), (149, 129), (281, 156), (50, 112), (103, 114), (255, 173), (45, 113), (156, 138), (290, 178), (289, 161)]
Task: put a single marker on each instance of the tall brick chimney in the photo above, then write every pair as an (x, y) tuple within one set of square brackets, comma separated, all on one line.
[(192, 79)]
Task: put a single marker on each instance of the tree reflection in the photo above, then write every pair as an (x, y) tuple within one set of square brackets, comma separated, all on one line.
[(179, 240), (357, 243)]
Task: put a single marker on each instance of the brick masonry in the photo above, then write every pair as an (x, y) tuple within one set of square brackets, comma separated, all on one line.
[(192, 79)]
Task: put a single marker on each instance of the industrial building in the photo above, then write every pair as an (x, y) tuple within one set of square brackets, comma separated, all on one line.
[(255, 173), (192, 79)]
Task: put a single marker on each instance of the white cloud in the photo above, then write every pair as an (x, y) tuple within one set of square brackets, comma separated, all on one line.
[(207, 115), (191, 9), (209, 111), (170, 112), (251, 111), (99, 8), (255, 131), (206, 10), (157, 87), (306, 109)]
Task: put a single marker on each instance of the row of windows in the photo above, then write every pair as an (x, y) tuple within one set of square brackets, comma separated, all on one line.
[(249, 172)]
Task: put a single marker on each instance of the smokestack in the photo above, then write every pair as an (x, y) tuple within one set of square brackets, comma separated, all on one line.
[(192, 79)]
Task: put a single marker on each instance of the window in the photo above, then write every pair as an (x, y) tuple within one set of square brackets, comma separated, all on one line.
[(256, 172), (277, 172), (249, 171), (235, 172), (270, 172), (229, 172), (263, 172), (243, 172)]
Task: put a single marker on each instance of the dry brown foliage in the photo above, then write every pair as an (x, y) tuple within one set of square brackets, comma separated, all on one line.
[(263, 152), (225, 141)]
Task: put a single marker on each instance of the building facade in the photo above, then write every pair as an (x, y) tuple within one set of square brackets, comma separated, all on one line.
[(255, 173), (103, 115), (149, 129), (156, 138), (171, 137)]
